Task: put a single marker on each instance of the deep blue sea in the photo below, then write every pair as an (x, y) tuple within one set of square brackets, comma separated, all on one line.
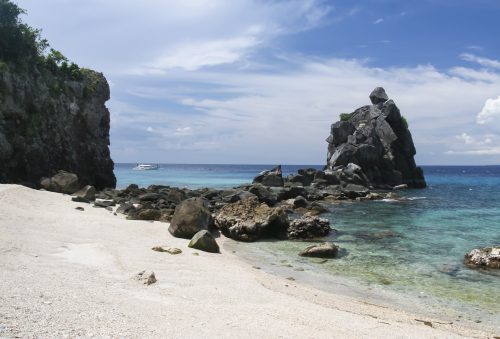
[(409, 251)]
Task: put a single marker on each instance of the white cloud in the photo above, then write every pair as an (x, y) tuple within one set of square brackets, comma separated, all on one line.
[(487, 151), (466, 138), (152, 36), (485, 62), (284, 116), (490, 112), (181, 131), (475, 47), (378, 21), (193, 56)]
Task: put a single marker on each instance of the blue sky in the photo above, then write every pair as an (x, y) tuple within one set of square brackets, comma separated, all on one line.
[(242, 81)]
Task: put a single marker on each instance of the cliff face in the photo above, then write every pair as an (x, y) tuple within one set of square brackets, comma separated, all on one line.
[(49, 123), (376, 137)]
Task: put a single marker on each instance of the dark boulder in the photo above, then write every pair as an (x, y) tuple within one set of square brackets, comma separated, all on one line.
[(190, 216), (86, 194), (204, 241), (308, 227), (264, 194), (250, 220), (378, 96), (62, 182), (272, 178), (299, 201)]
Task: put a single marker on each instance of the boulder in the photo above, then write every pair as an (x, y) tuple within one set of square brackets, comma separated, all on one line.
[(264, 194), (104, 203), (148, 214), (86, 194), (204, 241), (486, 257), (190, 216), (308, 227), (272, 178), (299, 201), (250, 220), (149, 197), (376, 139), (62, 182), (378, 96), (324, 250)]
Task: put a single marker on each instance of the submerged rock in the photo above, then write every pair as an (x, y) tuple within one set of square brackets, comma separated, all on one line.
[(308, 227), (190, 216), (486, 257), (250, 220), (324, 250), (204, 241)]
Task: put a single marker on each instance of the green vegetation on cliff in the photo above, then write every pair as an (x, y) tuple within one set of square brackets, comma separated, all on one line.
[(23, 46)]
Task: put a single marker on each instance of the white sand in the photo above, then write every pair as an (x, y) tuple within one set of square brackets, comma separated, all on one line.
[(65, 272)]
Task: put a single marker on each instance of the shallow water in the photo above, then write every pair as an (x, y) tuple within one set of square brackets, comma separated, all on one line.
[(408, 252)]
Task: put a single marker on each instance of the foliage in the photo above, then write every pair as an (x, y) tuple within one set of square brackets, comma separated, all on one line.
[(23, 45), (405, 122), (91, 81), (18, 41), (345, 116)]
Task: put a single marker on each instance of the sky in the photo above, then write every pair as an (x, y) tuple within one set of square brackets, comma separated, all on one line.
[(260, 82)]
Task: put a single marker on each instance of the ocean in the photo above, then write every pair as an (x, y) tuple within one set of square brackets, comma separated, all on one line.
[(404, 253)]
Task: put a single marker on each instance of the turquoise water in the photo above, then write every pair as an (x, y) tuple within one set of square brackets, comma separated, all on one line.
[(195, 176), (411, 248)]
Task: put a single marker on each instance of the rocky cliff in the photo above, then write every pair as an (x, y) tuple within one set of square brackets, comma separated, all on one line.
[(376, 138), (51, 122)]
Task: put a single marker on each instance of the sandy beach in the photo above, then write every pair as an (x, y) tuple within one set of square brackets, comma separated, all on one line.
[(70, 273)]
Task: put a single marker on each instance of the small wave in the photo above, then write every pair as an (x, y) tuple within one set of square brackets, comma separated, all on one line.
[(389, 200), (417, 198)]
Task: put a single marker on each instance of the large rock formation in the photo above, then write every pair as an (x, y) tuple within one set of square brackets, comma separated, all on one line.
[(376, 138), (51, 122)]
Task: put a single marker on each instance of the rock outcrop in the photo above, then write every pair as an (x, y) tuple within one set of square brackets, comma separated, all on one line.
[(308, 227), (250, 220), (377, 139), (487, 257), (272, 178), (51, 122)]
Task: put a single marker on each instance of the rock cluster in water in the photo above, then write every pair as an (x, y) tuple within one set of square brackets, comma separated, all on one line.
[(50, 123), (486, 257), (377, 140)]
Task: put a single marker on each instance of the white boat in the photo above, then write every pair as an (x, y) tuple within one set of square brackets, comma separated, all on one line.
[(146, 167)]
